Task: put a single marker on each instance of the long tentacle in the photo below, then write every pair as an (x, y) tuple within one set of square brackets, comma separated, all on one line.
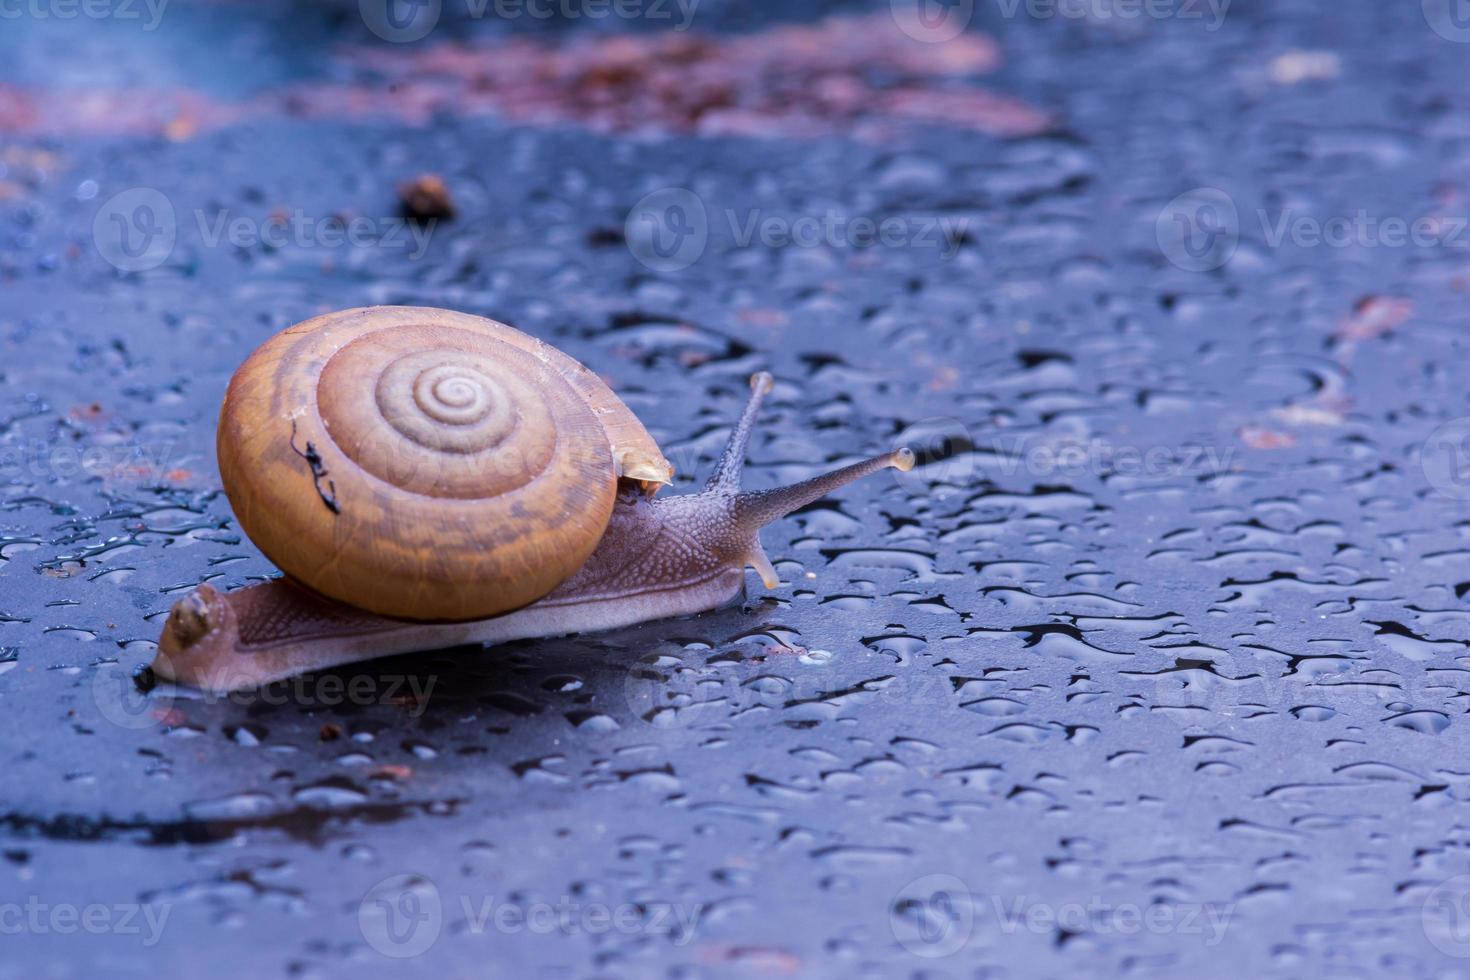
[(755, 509)]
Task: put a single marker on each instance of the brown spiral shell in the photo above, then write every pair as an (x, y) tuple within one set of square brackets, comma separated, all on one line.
[(425, 464)]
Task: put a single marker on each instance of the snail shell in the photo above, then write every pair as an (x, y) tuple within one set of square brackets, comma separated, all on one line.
[(425, 464)]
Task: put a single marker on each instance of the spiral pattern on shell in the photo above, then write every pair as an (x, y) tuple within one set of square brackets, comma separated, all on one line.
[(421, 463)]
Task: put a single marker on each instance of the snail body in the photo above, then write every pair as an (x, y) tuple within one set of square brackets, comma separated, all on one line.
[(427, 478)]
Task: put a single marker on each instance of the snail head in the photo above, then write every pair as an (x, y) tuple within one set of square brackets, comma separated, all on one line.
[(196, 639), (729, 518)]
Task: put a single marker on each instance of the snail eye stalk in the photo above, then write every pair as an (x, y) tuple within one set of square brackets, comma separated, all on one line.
[(757, 508), (732, 461)]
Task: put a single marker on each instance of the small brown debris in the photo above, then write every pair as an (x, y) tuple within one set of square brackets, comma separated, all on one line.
[(1260, 437), (760, 959), (944, 378), (318, 472), (331, 731), (133, 471), (408, 702), (1374, 316), (426, 198), (391, 771), (180, 129), (39, 163)]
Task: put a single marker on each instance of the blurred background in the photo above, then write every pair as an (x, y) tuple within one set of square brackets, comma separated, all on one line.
[(1158, 664)]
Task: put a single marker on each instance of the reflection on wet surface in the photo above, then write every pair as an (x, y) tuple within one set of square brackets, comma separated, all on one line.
[(1171, 628)]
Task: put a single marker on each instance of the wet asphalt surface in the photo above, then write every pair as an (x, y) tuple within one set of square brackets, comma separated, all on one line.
[(1159, 667)]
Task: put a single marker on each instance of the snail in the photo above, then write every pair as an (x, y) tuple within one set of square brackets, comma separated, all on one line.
[(426, 478)]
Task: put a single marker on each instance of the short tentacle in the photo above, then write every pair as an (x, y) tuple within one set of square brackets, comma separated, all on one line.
[(726, 475)]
